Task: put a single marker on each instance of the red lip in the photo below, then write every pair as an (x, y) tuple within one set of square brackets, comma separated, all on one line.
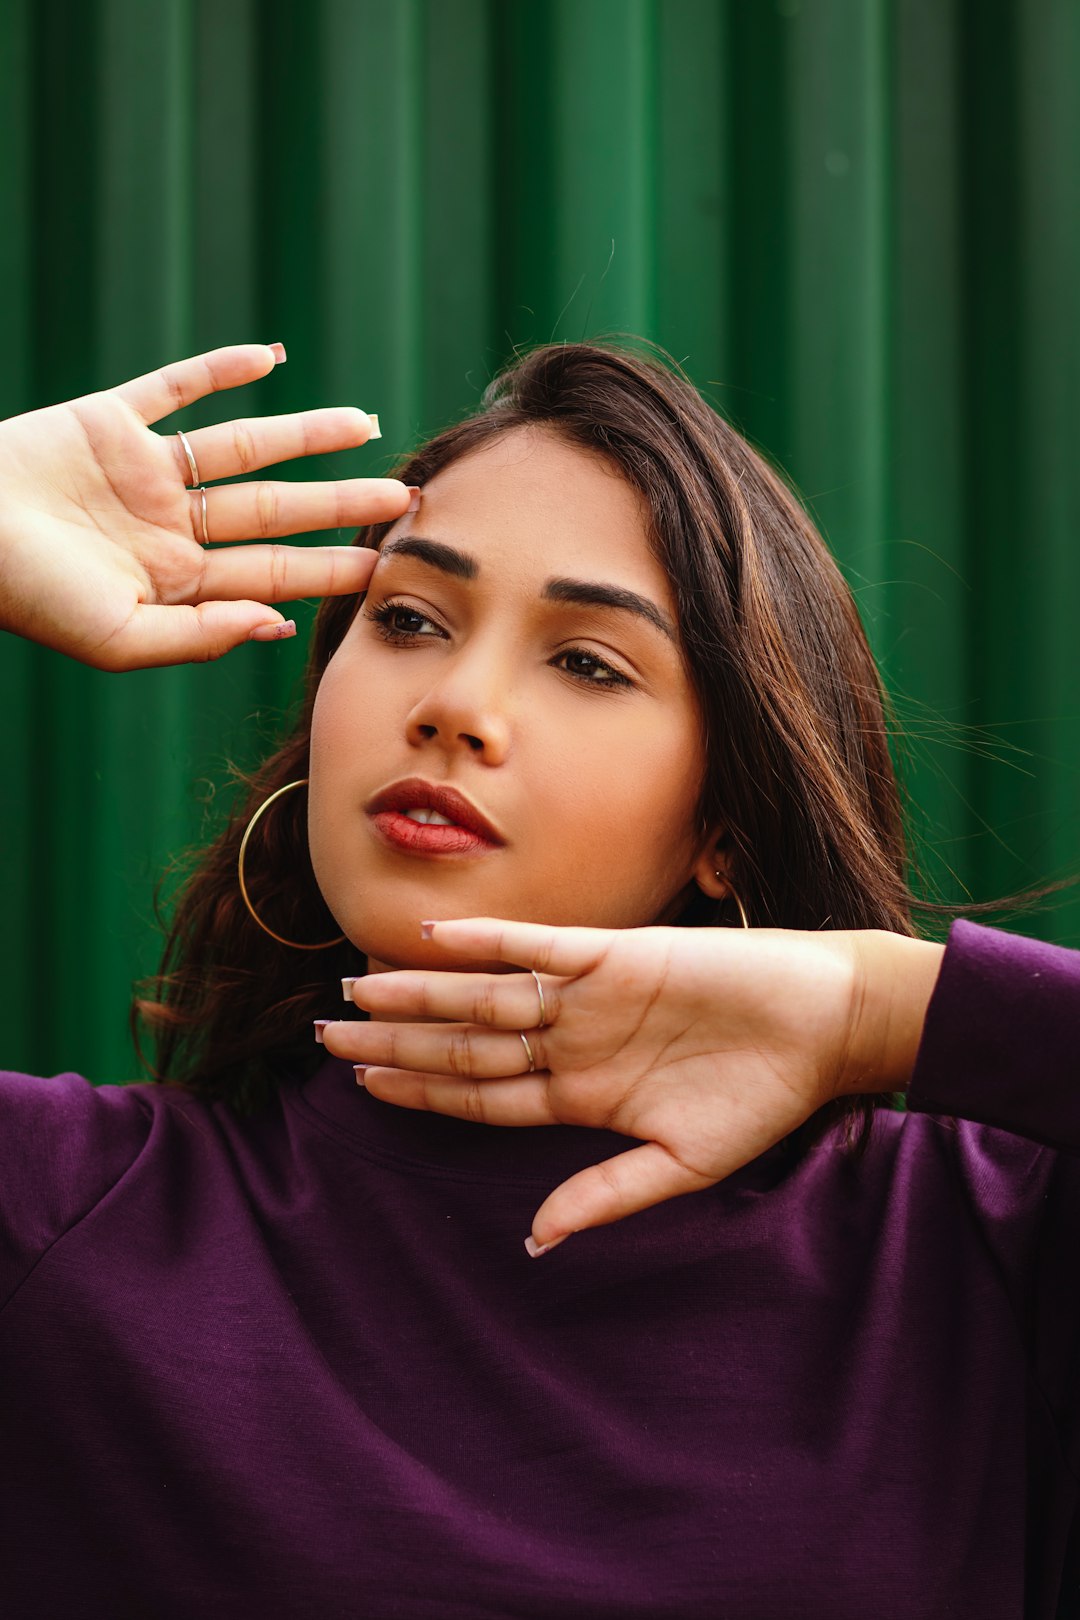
[(387, 808)]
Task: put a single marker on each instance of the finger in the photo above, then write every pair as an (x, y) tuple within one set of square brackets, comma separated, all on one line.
[(462, 1051), (496, 1000), (610, 1191), (285, 573), (170, 388), (244, 446), (563, 951), (264, 510), (519, 1101), (155, 636)]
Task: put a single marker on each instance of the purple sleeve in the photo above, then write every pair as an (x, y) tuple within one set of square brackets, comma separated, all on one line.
[(63, 1144), (1001, 1043)]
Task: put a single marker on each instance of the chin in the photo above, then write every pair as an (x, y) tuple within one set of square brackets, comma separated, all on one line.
[(400, 946), (395, 947)]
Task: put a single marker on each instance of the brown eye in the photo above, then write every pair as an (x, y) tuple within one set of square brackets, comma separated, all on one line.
[(395, 621), (591, 670), (406, 621)]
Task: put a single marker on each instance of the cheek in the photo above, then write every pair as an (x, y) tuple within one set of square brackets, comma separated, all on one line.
[(343, 730), (354, 710), (620, 817), (333, 723), (325, 729)]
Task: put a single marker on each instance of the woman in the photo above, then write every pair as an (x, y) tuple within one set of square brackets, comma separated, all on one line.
[(275, 1344)]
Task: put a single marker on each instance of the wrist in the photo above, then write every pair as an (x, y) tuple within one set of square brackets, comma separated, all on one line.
[(894, 980)]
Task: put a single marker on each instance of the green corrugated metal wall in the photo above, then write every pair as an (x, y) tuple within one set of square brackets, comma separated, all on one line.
[(856, 222)]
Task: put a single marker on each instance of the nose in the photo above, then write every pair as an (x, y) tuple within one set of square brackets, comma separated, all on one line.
[(465, 709)]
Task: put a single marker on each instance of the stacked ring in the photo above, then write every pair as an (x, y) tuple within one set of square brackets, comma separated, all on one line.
[(541, 1025), (195, 486)]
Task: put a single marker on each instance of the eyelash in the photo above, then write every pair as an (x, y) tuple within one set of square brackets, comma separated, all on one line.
[(383, 618)]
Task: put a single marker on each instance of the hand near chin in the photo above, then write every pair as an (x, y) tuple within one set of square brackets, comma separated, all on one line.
[(707, 1045)]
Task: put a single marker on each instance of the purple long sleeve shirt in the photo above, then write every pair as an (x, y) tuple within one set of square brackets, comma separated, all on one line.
[(302, 1366)]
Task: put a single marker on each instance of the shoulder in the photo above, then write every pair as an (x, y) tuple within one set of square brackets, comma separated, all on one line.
[(70, 1103), (65, 1144), (49, 1109)]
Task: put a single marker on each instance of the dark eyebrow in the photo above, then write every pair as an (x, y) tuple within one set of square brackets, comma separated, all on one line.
[(435, 552), (581, 592), (589, 593)]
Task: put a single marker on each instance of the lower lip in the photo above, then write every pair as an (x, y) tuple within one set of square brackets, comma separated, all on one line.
[(429, 838)]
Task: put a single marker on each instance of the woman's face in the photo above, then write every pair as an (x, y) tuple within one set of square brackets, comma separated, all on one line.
[(517, 647)]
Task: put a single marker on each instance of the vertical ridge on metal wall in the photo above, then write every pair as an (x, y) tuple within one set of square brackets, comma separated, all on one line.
[(1047, 548), (926, 633), (855, 225), (19, 902)]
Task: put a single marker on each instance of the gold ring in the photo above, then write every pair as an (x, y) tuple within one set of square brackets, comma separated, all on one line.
[(185, 445), (528, 1051), (540, 993)]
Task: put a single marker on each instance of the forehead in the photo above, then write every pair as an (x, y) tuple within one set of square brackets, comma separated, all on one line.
[(530, 504)]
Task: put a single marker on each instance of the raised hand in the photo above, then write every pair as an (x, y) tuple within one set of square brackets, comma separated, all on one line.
[(708, 1045), (101, 552)]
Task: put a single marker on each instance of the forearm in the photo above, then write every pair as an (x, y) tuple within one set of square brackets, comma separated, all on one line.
[(894, 980), (983, 1029)]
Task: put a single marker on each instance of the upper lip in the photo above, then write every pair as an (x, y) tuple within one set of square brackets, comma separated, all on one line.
[(416, 794)]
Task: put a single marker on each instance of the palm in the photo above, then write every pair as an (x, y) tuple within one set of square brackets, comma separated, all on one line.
[(106, 517), (131, 483)]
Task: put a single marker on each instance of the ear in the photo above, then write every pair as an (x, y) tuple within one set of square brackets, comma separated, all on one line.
[(710, 868)]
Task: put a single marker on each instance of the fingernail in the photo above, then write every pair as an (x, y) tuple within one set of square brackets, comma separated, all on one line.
[(278, 350), (274, 632), (426, 930), (346, 988), (320, 1025), (414, 497), (376, 430), (360, 1069), (536, 1249)]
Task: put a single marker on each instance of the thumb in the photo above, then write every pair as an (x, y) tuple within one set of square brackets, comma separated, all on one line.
[(157, 635), (609, 1191)]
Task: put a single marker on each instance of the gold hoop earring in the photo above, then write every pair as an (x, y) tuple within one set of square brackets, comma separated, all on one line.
[(742, 909), (323, 945)]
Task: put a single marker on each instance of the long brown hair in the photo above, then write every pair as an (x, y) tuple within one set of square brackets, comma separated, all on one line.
[(798, 766)]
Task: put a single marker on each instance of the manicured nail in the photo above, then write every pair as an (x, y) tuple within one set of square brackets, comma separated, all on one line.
[(360, 1069), (426, 930), (274, 632), (278, 350), (536, 1249), (376, 430), (320, 1025), (346, 989), (414, 497)]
